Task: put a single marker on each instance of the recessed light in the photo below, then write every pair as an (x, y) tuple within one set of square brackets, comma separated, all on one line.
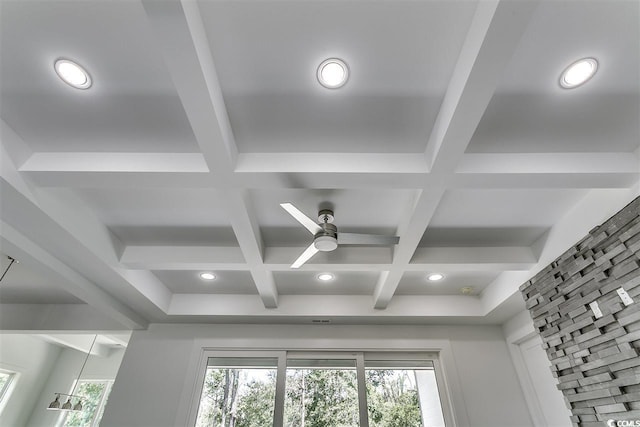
[(435, 277), (578, 73), (72, 74), (325, 277), (207, 276), (333, 73)]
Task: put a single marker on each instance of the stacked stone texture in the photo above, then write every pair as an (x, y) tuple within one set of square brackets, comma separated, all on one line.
[(596, 361)]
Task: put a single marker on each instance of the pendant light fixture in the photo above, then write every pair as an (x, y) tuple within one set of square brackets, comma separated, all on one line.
[(68, 405)]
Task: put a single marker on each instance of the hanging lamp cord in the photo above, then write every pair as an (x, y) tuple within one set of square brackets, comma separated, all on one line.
[(8, 267), (83, 365)]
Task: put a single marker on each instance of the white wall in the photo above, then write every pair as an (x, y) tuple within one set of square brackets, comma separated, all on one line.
[(33, 359), (544, 400), (64, 373), (156, 383)]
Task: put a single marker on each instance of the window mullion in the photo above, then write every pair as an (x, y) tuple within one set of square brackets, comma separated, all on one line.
[(362, 391), (278, 411), (101, 403)]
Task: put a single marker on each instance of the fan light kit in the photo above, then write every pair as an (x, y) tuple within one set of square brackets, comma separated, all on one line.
[(434, 277), (326, 237), (578, 73), (325, 277), (333, 73), (72, 74), (207, 276)]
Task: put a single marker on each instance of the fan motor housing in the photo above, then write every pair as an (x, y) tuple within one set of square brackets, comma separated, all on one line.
[(327, 239)]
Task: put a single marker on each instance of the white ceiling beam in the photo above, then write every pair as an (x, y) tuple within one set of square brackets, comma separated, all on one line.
[(318, 180), (13, 153), (547, 170), (116, 162), (243, 180), (120, 180), (410, 231), (43, 318), (60, 224), (476, 258), (493, 36), (180, 31), (79, 342), (26, 251), (281, 258), (447, 259), (323, 306), (183, 258), (14, 147), (245, 226), (378, 163), (548, 181), (121, 340), (548, 163), (69, 212)]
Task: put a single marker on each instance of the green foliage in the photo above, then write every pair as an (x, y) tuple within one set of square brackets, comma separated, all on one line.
[(392, 399), (321, 398), (255, 409), (314, 398), (92, 393), (231, 399)]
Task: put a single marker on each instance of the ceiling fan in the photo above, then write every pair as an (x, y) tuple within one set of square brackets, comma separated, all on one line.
[(326, 237)]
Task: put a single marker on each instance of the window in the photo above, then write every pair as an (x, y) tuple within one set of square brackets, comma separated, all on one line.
[(297, 389), (95, 395), (6, 378), (402, 393), (321, 392), (238, 392)]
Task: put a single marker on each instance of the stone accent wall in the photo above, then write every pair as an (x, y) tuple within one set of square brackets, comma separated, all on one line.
[(595, 360)]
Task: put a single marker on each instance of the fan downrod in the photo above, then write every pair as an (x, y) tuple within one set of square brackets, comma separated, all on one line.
[(325, 216)]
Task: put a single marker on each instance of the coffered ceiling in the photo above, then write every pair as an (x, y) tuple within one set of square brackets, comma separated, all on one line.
[(452, 133)]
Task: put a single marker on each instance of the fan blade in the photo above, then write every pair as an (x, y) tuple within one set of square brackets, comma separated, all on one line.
[(307, 222), (306, 255), (366, 239)]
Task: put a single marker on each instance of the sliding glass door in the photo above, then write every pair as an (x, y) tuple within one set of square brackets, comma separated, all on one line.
[(331, 389)]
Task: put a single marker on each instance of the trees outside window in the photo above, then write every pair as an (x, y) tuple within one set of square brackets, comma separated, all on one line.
[(320, 393), (95, 395), (235, 395)]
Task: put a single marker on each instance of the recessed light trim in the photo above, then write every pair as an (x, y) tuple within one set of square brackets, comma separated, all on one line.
[(434, 277), (325, 277), (578, 73), (207, 276), (72, 74), (333, 73)]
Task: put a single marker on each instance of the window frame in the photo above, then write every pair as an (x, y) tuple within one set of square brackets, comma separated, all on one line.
[(360, 358), (101, 404), (5, 392)]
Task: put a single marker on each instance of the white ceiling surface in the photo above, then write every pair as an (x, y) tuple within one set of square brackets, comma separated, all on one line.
[(23, 285), (132, 106), (451, 133), (267, 70), (528, 115)]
